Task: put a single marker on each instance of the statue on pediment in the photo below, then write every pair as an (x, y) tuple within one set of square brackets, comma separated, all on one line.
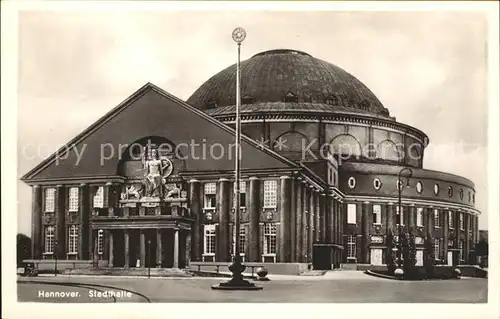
[(156, 172)]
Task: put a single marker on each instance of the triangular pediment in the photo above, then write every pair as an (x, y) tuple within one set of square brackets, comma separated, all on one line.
[(153, 112)]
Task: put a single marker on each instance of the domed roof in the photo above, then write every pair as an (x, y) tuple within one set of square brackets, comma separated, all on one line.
[(287, 80)]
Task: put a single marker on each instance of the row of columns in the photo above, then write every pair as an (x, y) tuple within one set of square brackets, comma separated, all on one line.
[(142, 247), (409, 212)]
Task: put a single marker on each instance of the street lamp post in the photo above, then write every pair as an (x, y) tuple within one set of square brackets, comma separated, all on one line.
[(149, 258), (237, 282), (400, 189)]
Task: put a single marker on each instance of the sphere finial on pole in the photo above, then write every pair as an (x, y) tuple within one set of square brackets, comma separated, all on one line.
[(239, 34)]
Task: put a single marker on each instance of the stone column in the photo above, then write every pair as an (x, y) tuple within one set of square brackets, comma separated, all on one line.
[(317, 223), (253, 220), (126, 245), (61, 221), (36, 223), (389, 215), (223, 251), (298, 221), (331, 219), (445, 235), (188, 249), (311, 223), (111, 251), (176, 248), (159, 248), (195, 202), (293, 221), (285, 207), (430, 221), (412, 215), (365, 231), (467, 239), (322, 200), (85, 231), (142, 243), (305, 229), (338, 222)]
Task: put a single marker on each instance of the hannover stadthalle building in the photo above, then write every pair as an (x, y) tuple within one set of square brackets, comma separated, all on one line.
[(151, 183)]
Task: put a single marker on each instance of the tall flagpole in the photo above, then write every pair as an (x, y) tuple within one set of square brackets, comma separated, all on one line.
[(237, 282)]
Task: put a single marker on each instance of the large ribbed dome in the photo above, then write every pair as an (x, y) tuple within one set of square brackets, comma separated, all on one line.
[(287, 80)]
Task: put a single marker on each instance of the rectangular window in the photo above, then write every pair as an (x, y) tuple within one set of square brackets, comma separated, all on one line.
[(209, 242), (243, 190), (420, 217), (462, 221), (437, 224), (241, 238), (99, 197), (399, 217), (351, 247), (419, 240), (437, 249), (351, 213), (49, 240), (73, 199), (209, 191), (73, 239), (100, 242), (269, 239), (270, 194), (50, 199), (377, 214), (450, 220)]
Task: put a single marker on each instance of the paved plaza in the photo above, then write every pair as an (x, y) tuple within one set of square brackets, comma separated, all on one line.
[(333, 287)]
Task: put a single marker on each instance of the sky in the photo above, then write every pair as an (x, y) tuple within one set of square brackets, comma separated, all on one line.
[(428, 68)]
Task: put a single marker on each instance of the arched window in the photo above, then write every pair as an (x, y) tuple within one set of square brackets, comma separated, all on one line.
[(346, 145), (388, 150), (290, 142)]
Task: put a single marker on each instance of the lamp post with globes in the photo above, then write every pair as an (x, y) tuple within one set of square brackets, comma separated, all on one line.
[(237, 282), (400, 189)]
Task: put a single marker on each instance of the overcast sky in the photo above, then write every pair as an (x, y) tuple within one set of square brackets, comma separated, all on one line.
[(428, 69)]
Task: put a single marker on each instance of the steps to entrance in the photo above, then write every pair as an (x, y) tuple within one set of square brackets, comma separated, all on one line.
[(349, 267), (143, 272)]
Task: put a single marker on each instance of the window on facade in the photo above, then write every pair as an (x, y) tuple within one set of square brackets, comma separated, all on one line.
[(377, 183), (270, 194), (351, 213), (399, 216), (100, 242), (49, 239), (73, 239), (377, 214), (243, 190), (99, 197), (50, 199), (419, 240), (436, 248), (420, 216), (241, 238), (209, 240), (351, 182), (436, 219), (351, 247), (462, 221), (73, 199), (209, 191), (450, 220), (269, 239)]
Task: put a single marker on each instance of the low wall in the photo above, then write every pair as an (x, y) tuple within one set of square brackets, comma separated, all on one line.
[(272, 268), (44, 265)]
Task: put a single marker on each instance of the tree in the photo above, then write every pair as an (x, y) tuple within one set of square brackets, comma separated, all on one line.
[(409, 252), (429, 256), (23, 248), (389, 253), (481, 250)]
